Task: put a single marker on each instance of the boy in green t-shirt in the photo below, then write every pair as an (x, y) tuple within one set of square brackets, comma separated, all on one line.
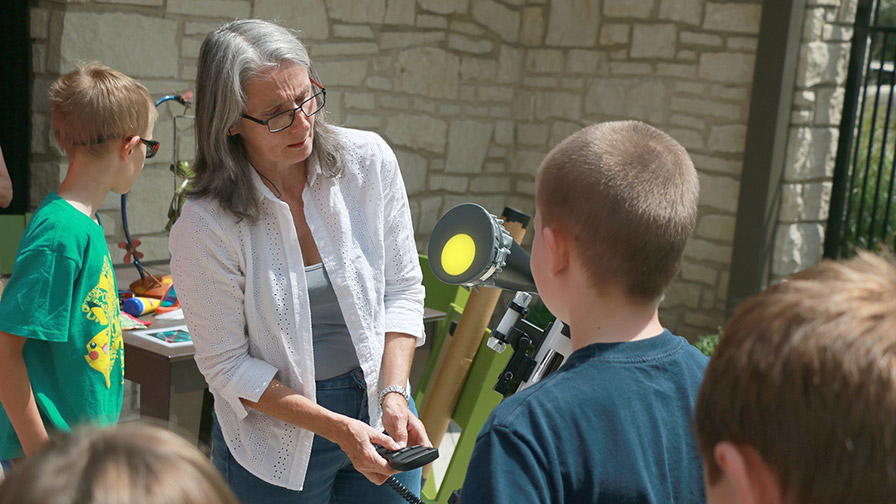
[(61, 353)]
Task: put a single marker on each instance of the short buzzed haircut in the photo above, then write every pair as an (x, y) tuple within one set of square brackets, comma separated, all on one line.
[(805, 373), (94, 104), (626, 193)]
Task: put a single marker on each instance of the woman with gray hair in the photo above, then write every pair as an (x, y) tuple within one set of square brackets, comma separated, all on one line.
[(296, 266)]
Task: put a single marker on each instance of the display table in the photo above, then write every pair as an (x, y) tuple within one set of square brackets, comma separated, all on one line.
[(171, 387)]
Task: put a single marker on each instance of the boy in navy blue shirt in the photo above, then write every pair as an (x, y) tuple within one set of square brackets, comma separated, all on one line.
[(615, 204)]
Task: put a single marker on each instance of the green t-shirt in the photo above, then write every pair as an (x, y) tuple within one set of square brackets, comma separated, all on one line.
[(62, 298)]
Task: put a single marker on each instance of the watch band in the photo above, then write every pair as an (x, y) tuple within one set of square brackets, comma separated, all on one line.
[(393, 388)]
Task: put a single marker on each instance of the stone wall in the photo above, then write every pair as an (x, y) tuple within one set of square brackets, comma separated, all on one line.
[(812, 146), (472, 94)]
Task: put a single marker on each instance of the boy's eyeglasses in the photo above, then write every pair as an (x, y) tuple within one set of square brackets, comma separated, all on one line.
[(152, 146), (283, 120)]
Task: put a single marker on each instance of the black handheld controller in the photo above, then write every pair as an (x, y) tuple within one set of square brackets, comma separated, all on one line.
[(409, 457)]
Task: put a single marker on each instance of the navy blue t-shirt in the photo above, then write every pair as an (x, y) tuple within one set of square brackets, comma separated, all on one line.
[(613, 425)]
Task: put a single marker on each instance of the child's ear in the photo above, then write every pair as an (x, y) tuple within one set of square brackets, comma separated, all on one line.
[(128, 147), (749, 474), (557, 246)]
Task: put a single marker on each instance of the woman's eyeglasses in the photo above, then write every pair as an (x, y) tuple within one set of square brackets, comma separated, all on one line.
[(283, 120)]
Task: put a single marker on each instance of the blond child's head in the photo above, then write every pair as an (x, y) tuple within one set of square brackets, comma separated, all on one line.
[(132, 463), (799, 400), (625, 193), (94, 104)]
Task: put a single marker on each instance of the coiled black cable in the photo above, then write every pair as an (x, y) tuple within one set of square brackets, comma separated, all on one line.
[(403, 491)]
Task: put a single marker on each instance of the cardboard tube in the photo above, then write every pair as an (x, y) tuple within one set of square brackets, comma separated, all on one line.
[(459, 355)]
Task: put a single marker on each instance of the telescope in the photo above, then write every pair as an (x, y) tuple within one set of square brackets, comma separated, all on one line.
[(470, 247)]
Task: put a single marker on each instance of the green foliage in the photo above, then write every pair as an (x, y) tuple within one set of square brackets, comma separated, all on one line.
[(708, 342), (869, 220)]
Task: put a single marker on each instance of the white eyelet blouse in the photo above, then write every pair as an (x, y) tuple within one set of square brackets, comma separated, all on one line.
[(242, 288)]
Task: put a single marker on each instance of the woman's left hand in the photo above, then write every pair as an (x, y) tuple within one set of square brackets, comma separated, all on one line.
[(402, 425)]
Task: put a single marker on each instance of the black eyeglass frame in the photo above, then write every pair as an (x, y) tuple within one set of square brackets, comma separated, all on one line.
[(322, 94), (152, 146)]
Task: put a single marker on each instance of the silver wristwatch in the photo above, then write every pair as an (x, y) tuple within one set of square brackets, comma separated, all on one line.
[(393, 388)]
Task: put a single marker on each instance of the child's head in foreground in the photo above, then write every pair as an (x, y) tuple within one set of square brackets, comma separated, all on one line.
[(799, 400), (131, 463), (625, 193), (94, 106)]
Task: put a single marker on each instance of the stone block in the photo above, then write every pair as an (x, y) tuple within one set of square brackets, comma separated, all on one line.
[(478, 69), (685, 11), (309, 16), (681, 70), (822, 63), (40, 22), (810, 154), (734, 93), (719, 192), (510, 62), (829, 108), (813, 23), (427, 71), (685, 294), (653, 41), (415, 131), (727, 67), (797, 247), (805, 202), (705, 250), (690, 139), (732, 17), (532, 26), (364, 121), (202, 29), (400, 12), (468, 143), (498, 18), (363, 101), (627, 68), (532, 133), (357, 11), (402, 40), (352, 31), (150, 3), (469, 45), (573, 23), (582, 61), (643, 99), (189, 47), (448, 183), (694, 123), (40, 133), (545, 61), (428, 21), (342, 73), (715, 227), (225, 9), (504, 132), (559, 104), (697, 273), (700, 39), (351, 49), (686, 55), (489, 184), (614, 34), (628, 8), (690, 87), (727, 138), (38, 57), (444, 6), (525, 161), (747, 44), (715, 164), (493, 94), (150, 51)]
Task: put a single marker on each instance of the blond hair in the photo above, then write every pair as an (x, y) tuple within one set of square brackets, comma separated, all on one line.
[(805, 373), (94, 104), (626, 193), (132, 463)]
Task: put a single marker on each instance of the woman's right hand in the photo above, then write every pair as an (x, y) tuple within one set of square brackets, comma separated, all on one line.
[(357, 439)]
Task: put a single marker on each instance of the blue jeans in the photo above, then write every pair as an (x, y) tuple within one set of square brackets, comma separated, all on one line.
[(331, 478)]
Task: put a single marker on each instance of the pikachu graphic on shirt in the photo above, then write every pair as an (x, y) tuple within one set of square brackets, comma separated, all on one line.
[(105, 346)]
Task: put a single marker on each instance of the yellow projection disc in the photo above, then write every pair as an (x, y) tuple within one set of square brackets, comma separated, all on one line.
[(458, 254)]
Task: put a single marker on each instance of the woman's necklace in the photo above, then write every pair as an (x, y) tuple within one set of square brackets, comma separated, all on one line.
[(279, 194)]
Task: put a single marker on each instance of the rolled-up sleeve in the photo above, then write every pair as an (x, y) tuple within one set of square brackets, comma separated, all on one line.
[(404, 291), (205, 266)]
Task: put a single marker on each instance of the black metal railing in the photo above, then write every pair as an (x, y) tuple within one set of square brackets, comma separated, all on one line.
[(862, 211)]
